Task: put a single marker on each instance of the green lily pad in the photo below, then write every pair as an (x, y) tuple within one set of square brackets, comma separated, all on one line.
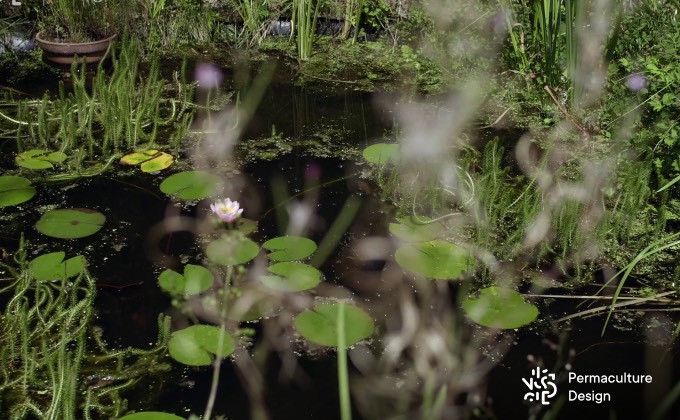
[(232, 250), (416, 229), (52, 266), (382, 153), (15, 190), (150, 160), (191, 185), (498, 307), (196, 279), (151, 415), (196, 345), (245, 226), (320, 324), (39, 159), (292, 277), (70, 223), (435, 259), (289, 248), (135, 158)]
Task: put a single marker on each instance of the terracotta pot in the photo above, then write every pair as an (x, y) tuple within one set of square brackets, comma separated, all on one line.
[(63, 53)]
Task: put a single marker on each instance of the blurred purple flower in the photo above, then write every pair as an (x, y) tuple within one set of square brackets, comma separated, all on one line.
[(208, 76), (227, 210), (636, 82)]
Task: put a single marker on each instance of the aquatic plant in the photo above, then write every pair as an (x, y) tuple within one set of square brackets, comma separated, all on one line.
[(48, 344), (15, 190), (88, 120), (150, 160), (226, 210), (305, 14)]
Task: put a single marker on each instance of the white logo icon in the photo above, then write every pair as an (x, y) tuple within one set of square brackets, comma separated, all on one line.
[(541, 386)]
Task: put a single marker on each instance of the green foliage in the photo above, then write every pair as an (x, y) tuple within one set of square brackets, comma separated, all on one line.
[(196, 279), (198, 344), (191, 185), (85, 20), (289, 248), (39, 159), (15, 190), (320, 325), (381, 154), (89, 118), (232, 250), (52, 266), (416, 229), (502, 308), (70, 223), (435, 259), (47, 346), (149, 160), (305, 14), (291, 276)]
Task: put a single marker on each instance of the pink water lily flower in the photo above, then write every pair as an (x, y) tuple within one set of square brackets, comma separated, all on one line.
[(226, 210)]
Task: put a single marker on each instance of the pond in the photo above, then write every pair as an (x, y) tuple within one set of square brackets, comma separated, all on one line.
[(300, 170)]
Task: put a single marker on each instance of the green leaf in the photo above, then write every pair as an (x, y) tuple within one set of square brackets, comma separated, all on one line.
[(196, 279), (416, 229), (191, 185), (135, 158), (232, 250), (500, 308), (158, 163), (39, 159), (382, 153), (56, 157), (33, 163), (245, 226), (320, 325), (196, 345), (70, 223), (15, 190), (435, 259), (51, 266), (172, 282), (289, 248), (151, 415), (292, 277), (151, 160)]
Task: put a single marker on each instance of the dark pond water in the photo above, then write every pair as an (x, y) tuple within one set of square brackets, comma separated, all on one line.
[(129, 300)]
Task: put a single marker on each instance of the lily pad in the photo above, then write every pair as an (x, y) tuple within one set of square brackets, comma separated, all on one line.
[(15, 190), (292, 277), (196, 279), (151, 415), (498, 307), (435, 259), (191, 185), (382, 153), (320, 324), (245, 226), (232, 250), (150, 160), (289, 248), (416, 229), (196, 345), (39, 159), (52, 266), (70, 223)]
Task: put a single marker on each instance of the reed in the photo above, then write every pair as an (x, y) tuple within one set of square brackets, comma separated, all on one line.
[(113, 113), (305, 14)]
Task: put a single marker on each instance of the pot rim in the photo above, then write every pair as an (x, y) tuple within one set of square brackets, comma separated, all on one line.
[(61, 44)]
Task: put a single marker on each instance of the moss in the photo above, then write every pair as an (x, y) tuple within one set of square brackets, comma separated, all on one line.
[(321, 144)]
